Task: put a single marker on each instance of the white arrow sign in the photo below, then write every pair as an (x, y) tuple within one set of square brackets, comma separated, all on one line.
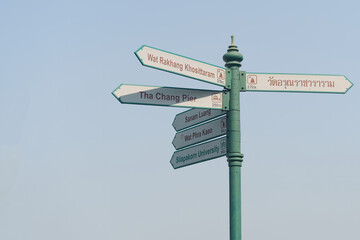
[(174, 63), (199, 153), (194, 116), (310, 83), (167, 96), (200, 133)]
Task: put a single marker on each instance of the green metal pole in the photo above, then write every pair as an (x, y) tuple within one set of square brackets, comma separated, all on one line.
[(233, 61)]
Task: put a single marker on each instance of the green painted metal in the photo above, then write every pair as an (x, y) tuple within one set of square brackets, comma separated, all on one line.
[(243, 81), (225, 100), (233, 82)]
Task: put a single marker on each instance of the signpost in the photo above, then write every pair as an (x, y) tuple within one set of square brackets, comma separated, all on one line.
[(200, 133), (174, 63), (216, 104), (166, 96), (308, 83), (194, 116), (199, 153)]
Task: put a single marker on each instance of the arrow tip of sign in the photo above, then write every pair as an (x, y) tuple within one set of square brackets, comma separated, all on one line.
[(172, 165), (351, 84), (171, 161), (140, 48), (173, 124), (173, 142), (137, 55), (116, 92)]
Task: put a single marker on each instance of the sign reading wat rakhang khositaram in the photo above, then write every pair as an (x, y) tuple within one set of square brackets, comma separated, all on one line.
[(174, 63)]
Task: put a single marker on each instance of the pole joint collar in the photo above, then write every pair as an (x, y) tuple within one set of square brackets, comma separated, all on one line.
[(235, 159)]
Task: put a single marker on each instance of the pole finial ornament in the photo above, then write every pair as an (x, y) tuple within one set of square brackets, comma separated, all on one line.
[(232, 40), (232, 57)]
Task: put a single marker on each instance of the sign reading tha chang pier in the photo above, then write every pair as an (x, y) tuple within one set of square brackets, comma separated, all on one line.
[(167, 96), (310, 83), (174, 63)]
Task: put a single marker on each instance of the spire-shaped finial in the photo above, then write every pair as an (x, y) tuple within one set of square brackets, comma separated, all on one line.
[(232, 57)]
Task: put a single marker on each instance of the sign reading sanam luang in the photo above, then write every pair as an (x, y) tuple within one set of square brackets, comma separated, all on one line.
[(194, 116)]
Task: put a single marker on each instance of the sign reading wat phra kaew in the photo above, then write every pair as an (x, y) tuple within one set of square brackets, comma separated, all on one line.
[(200, 133)]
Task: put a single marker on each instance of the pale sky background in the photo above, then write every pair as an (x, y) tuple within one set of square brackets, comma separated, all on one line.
[(77, 164)]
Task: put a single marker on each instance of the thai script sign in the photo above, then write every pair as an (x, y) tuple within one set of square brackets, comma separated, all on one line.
[(174, 63), (310, 83), (199, 153), (167, 96)]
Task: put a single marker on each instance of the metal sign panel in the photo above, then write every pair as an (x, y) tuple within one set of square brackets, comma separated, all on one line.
[(199, 153), (167, 96), (174, 63), (200, 133), (194, 116), (309, 83)]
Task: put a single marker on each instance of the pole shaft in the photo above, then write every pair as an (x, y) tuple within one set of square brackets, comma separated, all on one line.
[(233, 61), (234, 156)]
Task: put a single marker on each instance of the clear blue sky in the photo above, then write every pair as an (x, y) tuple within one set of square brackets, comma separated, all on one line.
[(77, 164)]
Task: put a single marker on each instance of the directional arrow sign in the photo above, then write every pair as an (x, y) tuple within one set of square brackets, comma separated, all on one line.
[(167, 96), (174, 63), (199, 153), (194, 116), (309, 83), (200, 133)]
